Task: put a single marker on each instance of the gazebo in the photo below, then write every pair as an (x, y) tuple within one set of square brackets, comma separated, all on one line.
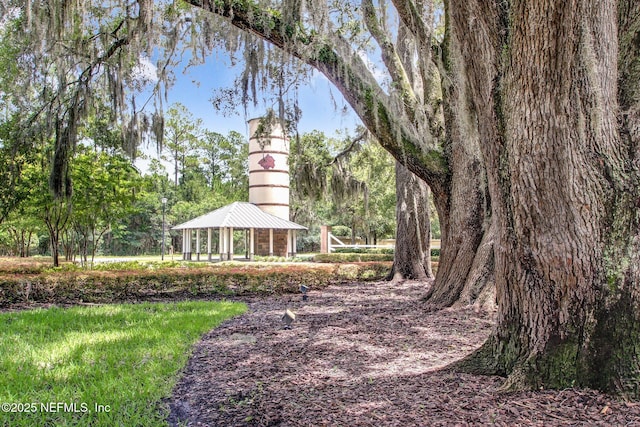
[(266, 234)]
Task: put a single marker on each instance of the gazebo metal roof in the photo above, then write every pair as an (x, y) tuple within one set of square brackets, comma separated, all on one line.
[(239, 215)]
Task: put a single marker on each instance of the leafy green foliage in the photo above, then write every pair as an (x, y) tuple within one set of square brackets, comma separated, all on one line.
[(339, 250), (348, 183), (181, 133), (13, 156), (224, 163), (104, 191)]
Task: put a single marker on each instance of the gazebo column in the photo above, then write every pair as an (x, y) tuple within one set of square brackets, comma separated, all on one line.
[(289, 249), (184, 244), (188, 247), (251, 243), (223, 246), (198, 244), (226, 244), (230, 253), (209, 233), (294, 245), (271, 242)]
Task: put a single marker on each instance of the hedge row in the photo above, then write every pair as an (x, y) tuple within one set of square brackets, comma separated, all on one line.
[(111, 286), (435, 252), (352, 257), (31, 265), (351, 250)]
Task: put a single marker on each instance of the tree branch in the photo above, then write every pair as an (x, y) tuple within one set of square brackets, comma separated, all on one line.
[(350, 148), (412, 19), (335, 58), (391, 58)]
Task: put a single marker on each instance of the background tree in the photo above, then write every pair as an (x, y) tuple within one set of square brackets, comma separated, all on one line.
[(309, 171), (54, 212), (105, 187), (13, 156), (181, 133), (374, 166), (210, 149), (234, 162), (22, 228), (16, 146), (140, 232), (345, 182), (413, 230)]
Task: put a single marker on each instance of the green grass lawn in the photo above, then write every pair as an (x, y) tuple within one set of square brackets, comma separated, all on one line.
[(105, 365)]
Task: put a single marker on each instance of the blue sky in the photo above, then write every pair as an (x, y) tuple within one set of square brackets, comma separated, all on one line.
[(194, 88), (318, 111)]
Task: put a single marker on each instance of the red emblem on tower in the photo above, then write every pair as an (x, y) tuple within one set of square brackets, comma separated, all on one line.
[(267, 162)]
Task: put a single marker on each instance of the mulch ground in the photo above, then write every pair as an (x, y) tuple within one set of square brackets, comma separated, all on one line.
[(364, 355)]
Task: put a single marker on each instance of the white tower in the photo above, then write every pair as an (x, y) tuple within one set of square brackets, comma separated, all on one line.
[(269, 169)]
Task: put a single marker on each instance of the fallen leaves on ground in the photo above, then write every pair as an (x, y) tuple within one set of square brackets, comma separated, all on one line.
[(364, 355)]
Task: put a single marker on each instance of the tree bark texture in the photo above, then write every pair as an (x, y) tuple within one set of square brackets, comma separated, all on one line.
[(563, 186), (465, 271), (412, 259)]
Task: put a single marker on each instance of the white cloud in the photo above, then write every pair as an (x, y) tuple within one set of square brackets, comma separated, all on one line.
[(145, 71)]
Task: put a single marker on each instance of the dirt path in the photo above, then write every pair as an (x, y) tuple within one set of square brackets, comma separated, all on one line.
[(363, 355)]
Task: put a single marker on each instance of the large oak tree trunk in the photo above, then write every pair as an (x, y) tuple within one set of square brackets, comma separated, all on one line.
[(465, 271), (412, 259), (563, 189)]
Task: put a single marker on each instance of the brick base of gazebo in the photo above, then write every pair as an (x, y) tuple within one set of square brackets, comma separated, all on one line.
[(262, 243)]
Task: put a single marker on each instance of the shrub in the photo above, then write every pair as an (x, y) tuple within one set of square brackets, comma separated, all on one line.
[(212, 280), (278, 259), (349, 250), (308, 243), (145, 265), (341, 230), (32, 265), (351, 257), (435, 252)]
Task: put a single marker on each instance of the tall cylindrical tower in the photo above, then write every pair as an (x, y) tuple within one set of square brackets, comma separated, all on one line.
[(269, 169)]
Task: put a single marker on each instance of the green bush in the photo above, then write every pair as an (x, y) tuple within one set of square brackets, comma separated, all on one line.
[(340, 230), (144, 265), (277, 259), (308, 243), (435, 252)]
